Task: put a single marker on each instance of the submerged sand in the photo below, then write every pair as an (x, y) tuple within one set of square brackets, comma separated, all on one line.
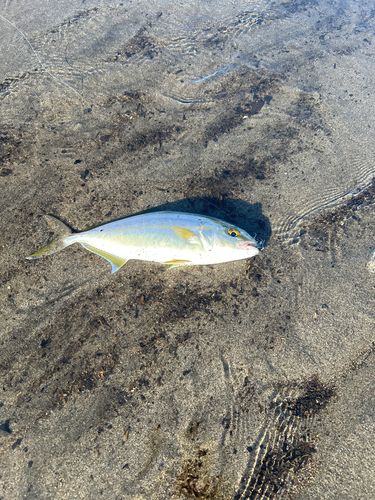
[(252, 379)]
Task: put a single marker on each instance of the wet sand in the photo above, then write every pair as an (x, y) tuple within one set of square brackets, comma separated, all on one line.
[(252, 379)]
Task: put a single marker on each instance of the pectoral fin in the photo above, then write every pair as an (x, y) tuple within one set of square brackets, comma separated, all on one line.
[(184, 234), (116, 262)]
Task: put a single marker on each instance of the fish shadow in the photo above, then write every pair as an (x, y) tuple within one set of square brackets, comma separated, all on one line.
[(247, 216)]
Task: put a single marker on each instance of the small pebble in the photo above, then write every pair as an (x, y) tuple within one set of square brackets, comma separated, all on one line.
[(77, 127)]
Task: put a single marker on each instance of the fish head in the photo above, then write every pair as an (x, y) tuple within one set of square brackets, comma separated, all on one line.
[(229, 242)]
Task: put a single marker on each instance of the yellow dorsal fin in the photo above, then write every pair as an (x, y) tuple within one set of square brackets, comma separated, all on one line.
[(116, 262), (184, 234)]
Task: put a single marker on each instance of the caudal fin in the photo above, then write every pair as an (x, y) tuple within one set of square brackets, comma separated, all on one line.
[(58, 243)]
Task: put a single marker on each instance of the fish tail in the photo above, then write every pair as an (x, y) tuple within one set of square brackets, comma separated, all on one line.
[(58, 243)]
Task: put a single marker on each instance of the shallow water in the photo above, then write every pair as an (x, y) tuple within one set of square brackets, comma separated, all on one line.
[(251, 379)]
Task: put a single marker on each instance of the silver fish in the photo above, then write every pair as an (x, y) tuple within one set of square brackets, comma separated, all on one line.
[(172, 238)]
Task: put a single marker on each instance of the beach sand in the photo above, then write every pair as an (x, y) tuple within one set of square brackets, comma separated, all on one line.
[(251, 379)]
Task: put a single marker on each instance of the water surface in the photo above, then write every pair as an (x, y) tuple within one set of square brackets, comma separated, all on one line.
[(250, 379)]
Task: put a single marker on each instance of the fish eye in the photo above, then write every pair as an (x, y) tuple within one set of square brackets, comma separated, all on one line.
[(233, 232)]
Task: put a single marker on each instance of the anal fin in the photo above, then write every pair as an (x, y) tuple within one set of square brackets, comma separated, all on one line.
[(116, 262), (176, 263)]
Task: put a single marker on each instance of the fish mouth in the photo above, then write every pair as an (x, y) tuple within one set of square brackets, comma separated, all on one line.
[(249, 244)]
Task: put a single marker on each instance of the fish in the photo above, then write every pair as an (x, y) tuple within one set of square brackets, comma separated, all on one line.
[(175, 239)]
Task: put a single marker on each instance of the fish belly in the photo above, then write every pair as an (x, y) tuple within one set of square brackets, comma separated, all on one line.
[(156, 246)]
